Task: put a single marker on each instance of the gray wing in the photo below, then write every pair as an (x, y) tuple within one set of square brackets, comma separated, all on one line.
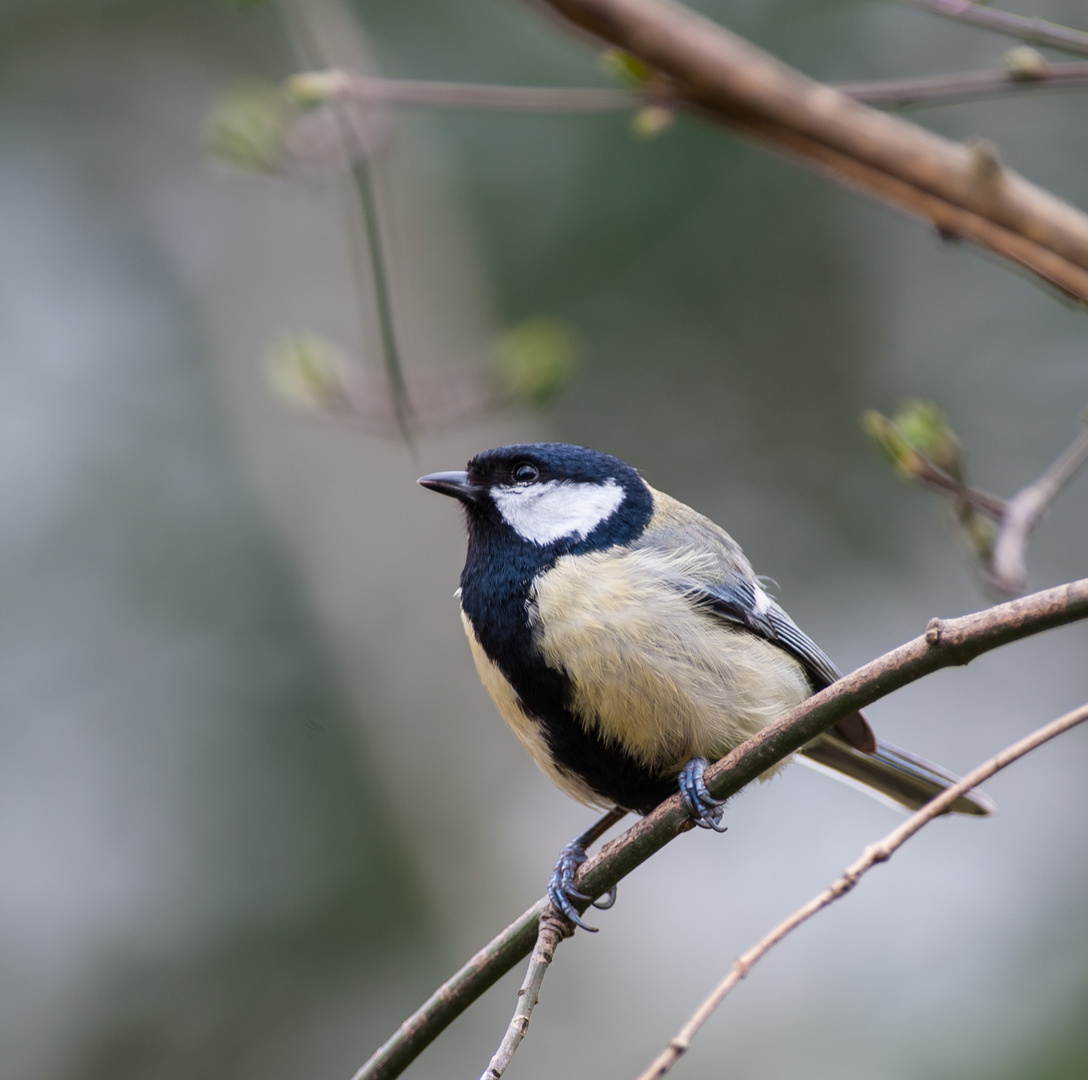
[(731, 591), (743, 602)]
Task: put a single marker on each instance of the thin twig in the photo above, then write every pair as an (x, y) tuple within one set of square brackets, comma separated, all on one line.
[(1023, 511), (944, 644), (927, 473), (363, 134), (453, 997), (875, 853), (942, 89), (923, 90), (363, 175), (965, 191), (1031, 29), (553, 929), (453, 95)]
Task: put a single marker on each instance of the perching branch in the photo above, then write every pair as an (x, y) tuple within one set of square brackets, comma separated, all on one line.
[(946, 643), (1033, 30), (873, 855), (965, 191)]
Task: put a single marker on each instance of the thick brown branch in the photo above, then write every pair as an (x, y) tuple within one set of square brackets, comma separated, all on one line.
[(944, 644), (965, 191), (872, 856)]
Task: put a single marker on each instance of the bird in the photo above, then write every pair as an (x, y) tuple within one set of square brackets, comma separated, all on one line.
[(627, 642)]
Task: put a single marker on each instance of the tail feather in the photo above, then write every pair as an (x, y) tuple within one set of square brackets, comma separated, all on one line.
[(896, 774)]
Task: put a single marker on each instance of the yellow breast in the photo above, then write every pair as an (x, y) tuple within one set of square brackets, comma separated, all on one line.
[(651, 671), (528, 731)]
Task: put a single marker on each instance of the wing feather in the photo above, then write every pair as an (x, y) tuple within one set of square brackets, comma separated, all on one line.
[(727, 586)]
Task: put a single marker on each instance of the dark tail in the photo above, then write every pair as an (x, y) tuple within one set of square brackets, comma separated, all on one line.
[(897, 774)]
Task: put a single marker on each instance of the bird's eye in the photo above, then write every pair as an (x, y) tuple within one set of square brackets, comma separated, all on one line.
[(525, 473)]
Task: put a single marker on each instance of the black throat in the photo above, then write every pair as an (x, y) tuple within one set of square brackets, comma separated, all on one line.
[(496, 586)]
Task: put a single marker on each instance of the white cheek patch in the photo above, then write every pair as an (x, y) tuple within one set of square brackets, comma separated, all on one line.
[(556, 509)]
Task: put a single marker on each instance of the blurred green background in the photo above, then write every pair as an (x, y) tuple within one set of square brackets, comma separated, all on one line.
[(254, 804)]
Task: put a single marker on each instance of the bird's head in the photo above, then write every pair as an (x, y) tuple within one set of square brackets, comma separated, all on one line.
[(549, 495)]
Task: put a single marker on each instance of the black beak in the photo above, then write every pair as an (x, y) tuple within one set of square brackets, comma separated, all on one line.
[(456, 484)]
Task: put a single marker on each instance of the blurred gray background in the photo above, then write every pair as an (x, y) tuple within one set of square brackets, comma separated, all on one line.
[(254, 804)]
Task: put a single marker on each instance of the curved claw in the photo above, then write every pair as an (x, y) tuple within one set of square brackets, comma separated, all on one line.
[(603, 903), (561, 884), (705, 810)]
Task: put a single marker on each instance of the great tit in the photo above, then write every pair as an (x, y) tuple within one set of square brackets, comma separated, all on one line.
[(627, 641)]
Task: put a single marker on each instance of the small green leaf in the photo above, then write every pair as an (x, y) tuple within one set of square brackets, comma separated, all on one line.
[(926, 429), (918, 429), (625, 67), (536, 359), (246, 126), (309, 371), (897, 449)]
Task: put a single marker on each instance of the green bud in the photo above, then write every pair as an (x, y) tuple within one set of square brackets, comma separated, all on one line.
[(246, 126), (925, 428), (917, 430), (625, 67), (651, 120), (885, 434), (307, 370), (1025, 63), (536, 359), (309, 88)]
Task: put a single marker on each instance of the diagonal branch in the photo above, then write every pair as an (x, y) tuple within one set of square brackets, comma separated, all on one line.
[(1008, 569), (873, 855), (553, 928), (1027, 28), (965, 191), (946, 643)]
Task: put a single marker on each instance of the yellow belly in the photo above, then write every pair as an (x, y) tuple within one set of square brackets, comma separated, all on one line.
[(528, 731)]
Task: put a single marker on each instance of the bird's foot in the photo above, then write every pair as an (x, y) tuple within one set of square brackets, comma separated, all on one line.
[(561, 890), (706, 811)]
